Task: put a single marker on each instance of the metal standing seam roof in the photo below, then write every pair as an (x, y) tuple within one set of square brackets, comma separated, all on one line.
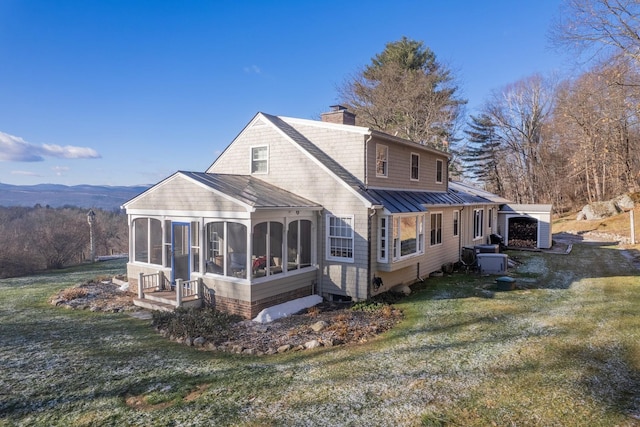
[(251, 191), (413, 201)]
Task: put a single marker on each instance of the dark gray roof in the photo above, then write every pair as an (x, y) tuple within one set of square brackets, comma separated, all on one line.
[(413, 201), (251, 191)]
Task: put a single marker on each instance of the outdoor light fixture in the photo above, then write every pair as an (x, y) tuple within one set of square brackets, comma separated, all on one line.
[(91, 217)]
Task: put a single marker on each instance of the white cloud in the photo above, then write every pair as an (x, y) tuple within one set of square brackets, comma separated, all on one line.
[(16, 149), (25, 173), (60, 170), (253, 69)]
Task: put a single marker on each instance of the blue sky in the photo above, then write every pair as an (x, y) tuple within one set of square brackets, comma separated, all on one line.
[(126, 92)]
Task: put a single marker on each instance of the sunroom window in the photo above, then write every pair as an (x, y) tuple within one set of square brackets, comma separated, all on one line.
[(299, 244), (147, 240), (226, 250), (267, 249)]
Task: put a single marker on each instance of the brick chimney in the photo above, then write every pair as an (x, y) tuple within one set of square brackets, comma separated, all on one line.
[(339, 114)]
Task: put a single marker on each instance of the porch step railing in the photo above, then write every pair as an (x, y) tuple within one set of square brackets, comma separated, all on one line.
[(188, 288), (148, 282), (153, 282)]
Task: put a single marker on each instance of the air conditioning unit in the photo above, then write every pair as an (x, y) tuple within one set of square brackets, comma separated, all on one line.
[(492, 263)]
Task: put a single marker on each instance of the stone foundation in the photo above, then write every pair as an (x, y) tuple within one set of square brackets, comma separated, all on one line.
[(248, 309)]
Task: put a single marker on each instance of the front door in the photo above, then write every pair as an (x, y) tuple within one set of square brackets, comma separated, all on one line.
[(180, 246)]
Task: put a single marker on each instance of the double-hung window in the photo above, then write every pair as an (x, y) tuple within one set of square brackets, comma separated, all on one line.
[(382, 160), (456, 223), (415, 167), (340, 238), (260, 159), (436, 229), (439, 171), (383, 239), (478, 223)]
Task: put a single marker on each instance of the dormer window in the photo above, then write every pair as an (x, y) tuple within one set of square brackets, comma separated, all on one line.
[(382, 160), (260, 159)]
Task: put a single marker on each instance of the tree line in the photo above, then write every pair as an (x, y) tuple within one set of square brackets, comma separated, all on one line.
[(39, 238)]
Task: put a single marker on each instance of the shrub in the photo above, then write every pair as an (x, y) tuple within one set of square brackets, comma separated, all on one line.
[(208, 323), (73, 293)]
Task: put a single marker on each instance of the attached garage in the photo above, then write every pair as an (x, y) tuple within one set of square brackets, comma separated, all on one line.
[(526, 225)]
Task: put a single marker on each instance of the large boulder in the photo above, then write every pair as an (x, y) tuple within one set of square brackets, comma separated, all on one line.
[(601, 210)]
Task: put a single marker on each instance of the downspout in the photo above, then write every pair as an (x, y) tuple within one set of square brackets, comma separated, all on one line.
[(460, 234), (366, 163), (369, 275), (366, 183)]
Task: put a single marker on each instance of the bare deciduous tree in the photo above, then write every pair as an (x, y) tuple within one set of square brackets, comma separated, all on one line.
[(519, 113), (600, 26)]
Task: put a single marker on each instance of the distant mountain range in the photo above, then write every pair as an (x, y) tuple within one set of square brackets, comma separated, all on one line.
[(82, 196)]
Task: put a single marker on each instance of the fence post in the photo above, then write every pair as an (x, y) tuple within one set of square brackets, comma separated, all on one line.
[(179, 292), (140, 285)]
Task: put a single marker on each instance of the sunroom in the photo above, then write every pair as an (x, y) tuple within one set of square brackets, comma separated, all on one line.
[(245, 244)]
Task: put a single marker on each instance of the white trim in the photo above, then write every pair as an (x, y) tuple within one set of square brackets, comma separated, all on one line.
[(455, 223), (386, 161), (396, 245), (328, 236), (385, 258), (439, 161), (441, 228), (251, 159), (411, 178), (481, 235), (322, 166)]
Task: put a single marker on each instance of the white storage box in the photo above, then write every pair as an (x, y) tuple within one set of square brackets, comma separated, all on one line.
[(492, 263)]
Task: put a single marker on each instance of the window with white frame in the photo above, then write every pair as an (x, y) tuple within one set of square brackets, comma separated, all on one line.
[(382, 160), (490, 219), (408, 235), (147, 242), (299, 244), (456, 223), (340, 238), (415, 167), (260, 159), (478, 223), (439, 171), (195, 246), (383, 239), (436, 228), (226, 251)]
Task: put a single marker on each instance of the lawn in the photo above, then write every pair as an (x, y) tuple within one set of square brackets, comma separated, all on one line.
[(564, 349)]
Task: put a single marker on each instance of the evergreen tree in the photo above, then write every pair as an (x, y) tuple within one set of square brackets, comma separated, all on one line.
[(406, 92), (482, 154)]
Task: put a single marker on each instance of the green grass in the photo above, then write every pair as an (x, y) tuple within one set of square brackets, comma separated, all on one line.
[(563, 351)]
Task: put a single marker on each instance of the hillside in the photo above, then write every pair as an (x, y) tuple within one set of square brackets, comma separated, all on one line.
[(83, 196)]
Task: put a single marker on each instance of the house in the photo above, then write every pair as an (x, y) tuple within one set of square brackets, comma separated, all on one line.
[(296, 207)]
